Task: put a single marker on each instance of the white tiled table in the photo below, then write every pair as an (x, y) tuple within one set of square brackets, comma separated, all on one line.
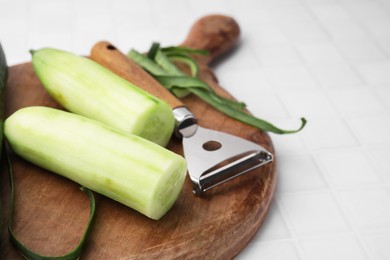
[(327, 60)]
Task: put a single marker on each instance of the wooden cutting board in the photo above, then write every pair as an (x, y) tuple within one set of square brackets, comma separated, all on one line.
[(51, 212)]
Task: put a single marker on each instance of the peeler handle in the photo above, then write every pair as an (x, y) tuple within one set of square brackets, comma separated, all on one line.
[(214, 33), (110, 57)]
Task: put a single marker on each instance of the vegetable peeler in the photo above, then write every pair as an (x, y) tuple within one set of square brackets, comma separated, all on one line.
[(213, 157)]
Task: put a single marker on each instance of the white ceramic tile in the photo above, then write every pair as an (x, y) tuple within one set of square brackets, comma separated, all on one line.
[(366, 10), (379, 243), (330, 11), (335, 248), (251, 15), (378, 28), (302, 32), (320, 53), (15, 47), (276, 55), (273, 228), (352, 102), (90, 7), (375, 72), (288, 144), (291, 77), (130, 7), (61, 41), (278, 250), (49, 23), (308, 103), (13, 10), (321, 2), (243, 83), (371, 130), (327, 134), (245, 5), (311, 213), (299, 173), (292, 13), (269, 34), (83, 42), (241, 58), (146, 36), (171, 5), (349, 168), (129, 28), (370, 208), (343, 29), (380, 158), (339, 75), (383, 94), (385, 44), (43, 8), (248, 81), (265, 105), (276, 3), (361, 50), (201, 7), (93, 24)]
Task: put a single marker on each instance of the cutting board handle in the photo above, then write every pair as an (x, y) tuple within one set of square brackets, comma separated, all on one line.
[(214, 33)]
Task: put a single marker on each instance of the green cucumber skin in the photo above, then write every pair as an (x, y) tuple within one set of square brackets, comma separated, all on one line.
[(85, 87), (3, 82), (125, 168)]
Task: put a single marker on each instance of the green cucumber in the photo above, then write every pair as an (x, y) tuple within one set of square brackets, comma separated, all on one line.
[(126, 168), (86, 88)]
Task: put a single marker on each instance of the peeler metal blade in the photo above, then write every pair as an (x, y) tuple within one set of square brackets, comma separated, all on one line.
[(215, 157)]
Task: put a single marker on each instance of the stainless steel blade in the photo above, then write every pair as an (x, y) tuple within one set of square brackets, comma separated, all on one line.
[(215, 157)]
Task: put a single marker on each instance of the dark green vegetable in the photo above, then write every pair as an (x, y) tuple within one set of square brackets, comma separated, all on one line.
[(159, 63), (3, 80)]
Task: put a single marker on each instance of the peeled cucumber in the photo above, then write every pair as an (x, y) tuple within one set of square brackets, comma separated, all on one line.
[(126, 168), (86, 88)]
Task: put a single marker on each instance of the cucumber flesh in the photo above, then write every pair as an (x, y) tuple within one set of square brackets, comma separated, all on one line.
[(84, 87), (125, 168)]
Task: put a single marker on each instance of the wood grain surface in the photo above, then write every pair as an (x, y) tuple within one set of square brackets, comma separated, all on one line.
[(51, 212)]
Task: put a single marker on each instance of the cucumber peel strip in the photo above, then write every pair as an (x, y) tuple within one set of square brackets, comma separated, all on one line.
[(159, 63), (26, 252), (193, 84), (177, 81)]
